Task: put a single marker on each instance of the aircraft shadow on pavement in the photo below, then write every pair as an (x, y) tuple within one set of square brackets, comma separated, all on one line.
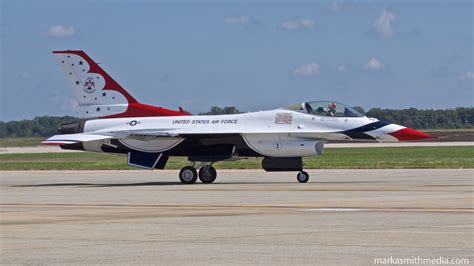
[(144, 184), (102, 185), (167, 183)]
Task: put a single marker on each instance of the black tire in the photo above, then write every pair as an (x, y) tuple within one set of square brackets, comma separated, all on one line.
[(188, 175), (302, 177), (207, 174)]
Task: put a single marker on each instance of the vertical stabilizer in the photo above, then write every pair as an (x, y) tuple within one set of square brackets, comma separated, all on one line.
[(98, 94)]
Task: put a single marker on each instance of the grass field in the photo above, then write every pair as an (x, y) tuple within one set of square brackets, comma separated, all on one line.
[(340, 158), (21, 142)]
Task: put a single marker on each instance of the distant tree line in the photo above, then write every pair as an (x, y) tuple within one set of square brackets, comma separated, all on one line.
[(461, 117), (38, 127), (216, 110)]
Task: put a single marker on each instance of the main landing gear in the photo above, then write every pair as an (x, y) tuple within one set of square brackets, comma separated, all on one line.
[(207, 174), (189, 175)]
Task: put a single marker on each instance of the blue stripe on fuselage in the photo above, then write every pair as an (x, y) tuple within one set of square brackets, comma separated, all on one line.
[(359, 132)]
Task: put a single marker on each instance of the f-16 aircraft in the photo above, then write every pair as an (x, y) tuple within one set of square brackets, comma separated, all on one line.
[(150, 135)]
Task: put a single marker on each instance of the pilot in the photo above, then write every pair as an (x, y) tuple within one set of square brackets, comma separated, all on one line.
[(332, 108)]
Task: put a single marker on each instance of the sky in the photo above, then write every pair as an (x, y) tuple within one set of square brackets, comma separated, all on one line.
[(254, 55)]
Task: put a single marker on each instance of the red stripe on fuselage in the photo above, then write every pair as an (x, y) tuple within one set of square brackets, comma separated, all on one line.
[(143, 110)]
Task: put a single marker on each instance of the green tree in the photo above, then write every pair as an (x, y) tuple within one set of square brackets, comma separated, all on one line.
[(216, 110)]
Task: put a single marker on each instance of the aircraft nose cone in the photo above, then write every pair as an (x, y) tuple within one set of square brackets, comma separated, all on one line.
[(409, 134)]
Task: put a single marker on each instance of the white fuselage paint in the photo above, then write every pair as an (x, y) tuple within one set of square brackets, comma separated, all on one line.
[(278, 133)]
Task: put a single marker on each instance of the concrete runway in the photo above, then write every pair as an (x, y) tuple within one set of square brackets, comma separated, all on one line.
[(247, 217)]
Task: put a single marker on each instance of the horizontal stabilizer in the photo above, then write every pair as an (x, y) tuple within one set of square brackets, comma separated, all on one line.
[(73, 138)]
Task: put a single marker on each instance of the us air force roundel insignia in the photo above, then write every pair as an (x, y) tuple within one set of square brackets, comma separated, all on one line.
[(133, 123), (89, 85)]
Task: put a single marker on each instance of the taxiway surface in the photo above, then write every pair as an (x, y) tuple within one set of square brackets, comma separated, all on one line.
[(247, 217)]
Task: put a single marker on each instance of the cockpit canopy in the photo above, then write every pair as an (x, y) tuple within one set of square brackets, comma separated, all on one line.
[(327, 108)]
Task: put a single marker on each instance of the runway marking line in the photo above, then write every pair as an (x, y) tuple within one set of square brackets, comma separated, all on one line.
[(269, 207), (336, 209)]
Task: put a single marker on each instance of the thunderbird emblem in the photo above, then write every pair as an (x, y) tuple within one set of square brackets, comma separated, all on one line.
[(89, 85)]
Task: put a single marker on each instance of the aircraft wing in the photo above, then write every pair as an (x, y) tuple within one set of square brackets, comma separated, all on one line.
[(144, 135), (74, 138), (138, 134)]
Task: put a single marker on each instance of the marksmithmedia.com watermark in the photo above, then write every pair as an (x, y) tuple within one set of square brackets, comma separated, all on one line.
[(420, 261)]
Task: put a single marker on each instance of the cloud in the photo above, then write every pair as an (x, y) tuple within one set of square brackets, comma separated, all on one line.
[(305, 23), (373, 65), (467, 76), (239, 20), (290, 25), (61, 31), (383, 24), (308, 70), (341, 68)]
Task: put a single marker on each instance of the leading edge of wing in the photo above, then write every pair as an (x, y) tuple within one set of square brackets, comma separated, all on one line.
[(64, 139), (73, 138)]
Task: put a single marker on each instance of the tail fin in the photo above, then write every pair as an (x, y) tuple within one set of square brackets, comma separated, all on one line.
[(98, 94)]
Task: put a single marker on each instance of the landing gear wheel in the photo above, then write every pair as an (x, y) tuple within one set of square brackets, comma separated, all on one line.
[(207, 174), (302, 177), (188, 175)]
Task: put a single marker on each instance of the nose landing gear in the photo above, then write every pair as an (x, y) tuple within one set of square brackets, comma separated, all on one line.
[(302, 177)]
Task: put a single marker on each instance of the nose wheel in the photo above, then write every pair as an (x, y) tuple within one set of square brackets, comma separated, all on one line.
[(302, 177)]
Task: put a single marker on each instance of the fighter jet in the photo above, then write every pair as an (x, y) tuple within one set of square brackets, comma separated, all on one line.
[(148, 135)]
